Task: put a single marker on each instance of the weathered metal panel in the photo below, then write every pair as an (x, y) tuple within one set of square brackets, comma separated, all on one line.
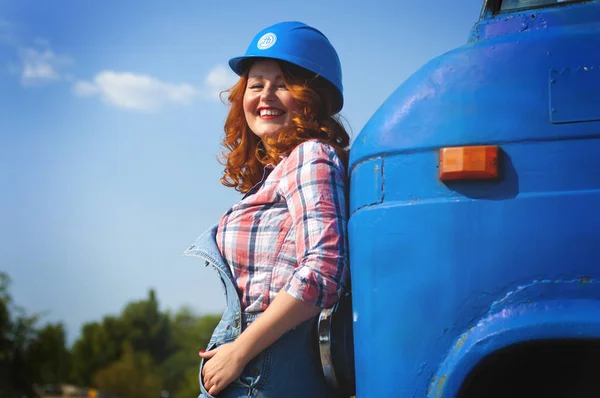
[(575, 94)]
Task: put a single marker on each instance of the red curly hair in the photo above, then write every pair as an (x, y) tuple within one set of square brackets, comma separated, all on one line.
[(245, 155)]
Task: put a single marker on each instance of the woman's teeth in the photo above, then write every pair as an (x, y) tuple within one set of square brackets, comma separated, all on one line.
[(270, 112)]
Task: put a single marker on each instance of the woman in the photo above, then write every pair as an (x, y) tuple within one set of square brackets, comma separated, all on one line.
[(281, 252)]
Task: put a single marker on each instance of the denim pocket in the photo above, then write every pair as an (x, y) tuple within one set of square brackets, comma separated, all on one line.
[(256, 372), (205, 393), (253, 376)]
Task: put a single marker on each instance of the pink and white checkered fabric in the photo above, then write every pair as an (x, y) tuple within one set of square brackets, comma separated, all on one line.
[(290, 231)]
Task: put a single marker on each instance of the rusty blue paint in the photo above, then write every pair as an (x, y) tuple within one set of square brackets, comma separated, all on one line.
[(438, 269)]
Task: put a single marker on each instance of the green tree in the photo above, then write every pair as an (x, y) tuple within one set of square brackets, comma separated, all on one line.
[(141, 326), (133, 376), (98, 346), (190, 334), (147, 328), (5, 328), (136, 354), (49, 355), (17, 373)]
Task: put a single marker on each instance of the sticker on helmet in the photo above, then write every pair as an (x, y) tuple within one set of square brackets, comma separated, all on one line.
[(266, 41)]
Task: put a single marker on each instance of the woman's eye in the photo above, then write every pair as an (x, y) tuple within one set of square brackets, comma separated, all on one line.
[(256, 86), (282, 86)]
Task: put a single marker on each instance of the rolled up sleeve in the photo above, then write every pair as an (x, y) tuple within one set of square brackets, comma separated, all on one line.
[(314, 187)]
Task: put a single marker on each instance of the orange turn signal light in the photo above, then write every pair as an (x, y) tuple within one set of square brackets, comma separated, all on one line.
[(469, 163)]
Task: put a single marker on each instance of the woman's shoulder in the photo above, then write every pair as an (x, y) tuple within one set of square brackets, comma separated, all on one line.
[(313, 149), (308, 162)]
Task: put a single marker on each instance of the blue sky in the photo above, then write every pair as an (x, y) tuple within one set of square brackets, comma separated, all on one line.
[(110, 128)]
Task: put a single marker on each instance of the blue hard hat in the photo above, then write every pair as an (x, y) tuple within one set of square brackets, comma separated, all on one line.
[(298, 44)]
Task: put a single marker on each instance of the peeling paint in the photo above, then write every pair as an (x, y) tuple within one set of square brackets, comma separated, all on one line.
[(369, 176), (461, 341), (431, 384), (440, 386), (519, 289)]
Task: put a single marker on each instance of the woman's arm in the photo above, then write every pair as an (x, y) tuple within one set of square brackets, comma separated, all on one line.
[(228, 361)]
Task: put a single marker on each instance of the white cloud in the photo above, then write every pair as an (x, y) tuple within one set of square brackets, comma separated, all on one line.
[(134, 91), (146, 93), (40, 66), (34, 63), (218, 79), (85, 89)]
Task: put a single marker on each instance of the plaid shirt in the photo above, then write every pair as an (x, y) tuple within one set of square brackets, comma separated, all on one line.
[(290, 231)]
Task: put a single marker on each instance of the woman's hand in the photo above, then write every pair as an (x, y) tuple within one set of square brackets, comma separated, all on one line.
[(225, 366), (228, 361)]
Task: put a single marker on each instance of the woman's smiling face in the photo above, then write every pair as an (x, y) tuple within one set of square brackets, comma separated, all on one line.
[(268, 105)]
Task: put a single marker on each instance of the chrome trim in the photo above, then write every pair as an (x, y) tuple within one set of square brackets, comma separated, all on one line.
[(324, 331)]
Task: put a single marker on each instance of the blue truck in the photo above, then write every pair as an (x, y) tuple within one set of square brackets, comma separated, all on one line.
[(474, 219)]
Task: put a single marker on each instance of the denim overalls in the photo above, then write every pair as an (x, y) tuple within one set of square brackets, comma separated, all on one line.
[(289, 368)]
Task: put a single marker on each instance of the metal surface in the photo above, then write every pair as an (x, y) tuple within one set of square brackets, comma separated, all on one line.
[(336, 348), (575, 94), (367, 189), (445, 274), (324, 331)]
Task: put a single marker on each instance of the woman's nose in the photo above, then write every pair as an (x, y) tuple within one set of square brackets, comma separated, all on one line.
[(268, 92)]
